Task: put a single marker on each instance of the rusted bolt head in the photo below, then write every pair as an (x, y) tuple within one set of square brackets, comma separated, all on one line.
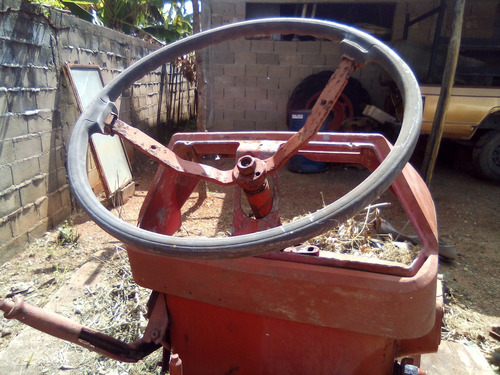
[(246, 165)]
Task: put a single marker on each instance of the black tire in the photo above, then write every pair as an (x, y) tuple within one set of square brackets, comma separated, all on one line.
[(486, 156), (315, 83)]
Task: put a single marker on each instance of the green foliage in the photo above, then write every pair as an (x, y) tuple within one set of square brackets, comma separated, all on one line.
[(67, 234), (52, 3), (165, 20)]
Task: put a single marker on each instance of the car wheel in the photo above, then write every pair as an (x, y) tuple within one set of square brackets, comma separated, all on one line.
[(486, 156)]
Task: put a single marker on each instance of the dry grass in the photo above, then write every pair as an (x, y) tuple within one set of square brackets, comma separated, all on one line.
[(358, 236)]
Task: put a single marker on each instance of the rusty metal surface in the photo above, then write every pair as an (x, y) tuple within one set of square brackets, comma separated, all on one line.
[(365, 149), (61, 327)]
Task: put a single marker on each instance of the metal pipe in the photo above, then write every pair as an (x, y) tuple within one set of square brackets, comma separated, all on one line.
[(64, 328)]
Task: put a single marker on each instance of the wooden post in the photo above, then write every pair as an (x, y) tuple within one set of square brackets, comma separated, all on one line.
[(432, 148), (200, 76)]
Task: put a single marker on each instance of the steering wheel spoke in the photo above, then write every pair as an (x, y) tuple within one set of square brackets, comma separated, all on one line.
[(165, 156), (320, 111)]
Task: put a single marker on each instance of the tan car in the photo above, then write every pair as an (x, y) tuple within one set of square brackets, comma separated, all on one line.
[(473, 117)]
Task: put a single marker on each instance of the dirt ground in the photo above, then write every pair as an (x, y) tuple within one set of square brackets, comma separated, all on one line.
[(468, 216)]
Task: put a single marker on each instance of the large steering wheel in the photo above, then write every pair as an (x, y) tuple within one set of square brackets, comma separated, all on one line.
[(358, 49)]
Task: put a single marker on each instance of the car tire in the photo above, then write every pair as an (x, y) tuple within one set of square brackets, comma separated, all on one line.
[(354, 94), (486, 156)]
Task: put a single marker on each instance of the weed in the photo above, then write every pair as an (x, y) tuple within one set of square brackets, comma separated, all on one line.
[(67, 234)]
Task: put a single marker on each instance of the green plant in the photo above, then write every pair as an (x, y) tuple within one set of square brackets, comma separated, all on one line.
[(164, 20), (67, 234)]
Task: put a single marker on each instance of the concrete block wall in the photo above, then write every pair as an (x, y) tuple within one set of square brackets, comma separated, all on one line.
[(251, 80), (37, 110)]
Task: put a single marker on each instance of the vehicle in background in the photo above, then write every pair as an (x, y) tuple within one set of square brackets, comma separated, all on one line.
[(472, 118)]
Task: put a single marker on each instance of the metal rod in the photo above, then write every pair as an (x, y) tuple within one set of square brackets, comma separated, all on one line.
[(432, 148), (65, 329)]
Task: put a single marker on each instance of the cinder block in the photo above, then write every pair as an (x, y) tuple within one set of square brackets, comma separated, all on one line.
[(256, 70), (44, 56), (265, 105), (245, 57), (4, 104), (42, 207), (37, 123), (218, 69), (45, 99), (27, 146), (265, 125), (255, 93), (13, 247), (22, 101), (216, 20), (225, 57), (234, 114), (239, 45), (54, 201), (31, 192), (9, 202), (289, 84), (279, 71), (224, 125), (26, 218), (6, 179), (298, 73), (332, 61), (65, 196), (309, 47), (313, 59), (262, 46), (235, 70), (5, 232), (289, 59), (59, 216), (11, 5), (276, 116), (240, 10), (285, 47), (25, 169), (268, 82), (39, 229), (41, 78), (233, 92), (278, 95), (6, 151), (244, 125), (281, 126), (329, 47), (223, 8), (255, 115), (245, 81), (13, 126), (10, 77), (246, 103), (267, 58)]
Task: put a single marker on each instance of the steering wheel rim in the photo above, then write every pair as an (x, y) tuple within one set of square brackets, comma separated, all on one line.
[(355, 43)]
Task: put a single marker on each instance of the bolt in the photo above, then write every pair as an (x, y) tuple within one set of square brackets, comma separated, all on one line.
[(246, 165), (155, 334)]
